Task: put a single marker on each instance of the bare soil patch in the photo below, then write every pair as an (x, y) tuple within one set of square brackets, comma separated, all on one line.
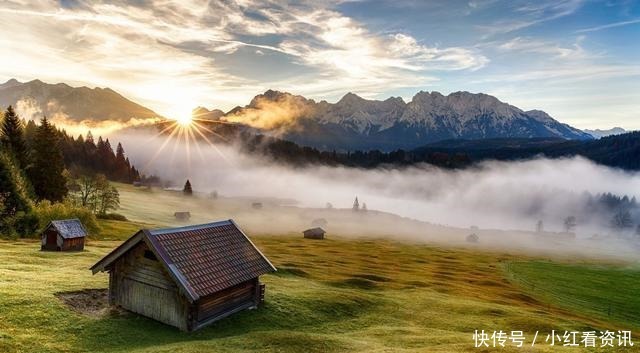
[(89, 302)]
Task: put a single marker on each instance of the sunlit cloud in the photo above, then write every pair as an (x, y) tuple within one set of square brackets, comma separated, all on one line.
[(144, 51), (172, 56)]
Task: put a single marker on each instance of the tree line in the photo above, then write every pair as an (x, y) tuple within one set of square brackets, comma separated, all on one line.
[(620, 151), (293, 154), (45, 173)]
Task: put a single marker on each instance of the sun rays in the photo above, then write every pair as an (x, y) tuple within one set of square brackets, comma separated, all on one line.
[(187, 133)]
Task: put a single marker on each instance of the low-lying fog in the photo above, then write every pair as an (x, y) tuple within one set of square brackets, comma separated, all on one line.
[(493, 195)]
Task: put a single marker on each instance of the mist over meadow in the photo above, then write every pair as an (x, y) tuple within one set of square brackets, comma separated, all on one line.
[(494, 195)]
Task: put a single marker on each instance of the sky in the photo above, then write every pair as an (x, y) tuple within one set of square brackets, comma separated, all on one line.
[(578, 60)]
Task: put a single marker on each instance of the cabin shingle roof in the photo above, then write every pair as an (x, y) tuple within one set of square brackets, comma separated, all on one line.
[(316, 230), (210, 257), (69, 228), (203, 259)]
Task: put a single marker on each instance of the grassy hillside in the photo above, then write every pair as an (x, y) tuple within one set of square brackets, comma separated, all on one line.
[(596, 290), (355, 294), (335, 295)]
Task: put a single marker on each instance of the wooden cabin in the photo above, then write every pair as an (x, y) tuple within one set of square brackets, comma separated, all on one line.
[(314, 233), (187, 277), (182, 216), (257, 205), (63, 235)]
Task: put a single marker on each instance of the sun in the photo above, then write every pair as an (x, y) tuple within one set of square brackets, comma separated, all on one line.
[(184, 120)]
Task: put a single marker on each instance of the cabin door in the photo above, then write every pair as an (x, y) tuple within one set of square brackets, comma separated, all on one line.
[(52, 239)]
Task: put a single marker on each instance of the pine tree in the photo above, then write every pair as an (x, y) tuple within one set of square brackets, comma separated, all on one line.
[(48, 164), (16, 214), (12, 197), (121, 168), (89, 139), (356, 205), (106, 156), (30, 132), (187, 190), (12, 137)]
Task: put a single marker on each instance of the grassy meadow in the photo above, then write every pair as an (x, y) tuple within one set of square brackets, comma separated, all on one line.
[(337, 295)]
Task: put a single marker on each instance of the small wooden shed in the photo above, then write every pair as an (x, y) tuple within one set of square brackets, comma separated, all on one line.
[(187, 277), (182, 215), (63, 235), (314, 233)]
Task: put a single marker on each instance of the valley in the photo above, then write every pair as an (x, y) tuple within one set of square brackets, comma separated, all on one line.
[(333, 296)]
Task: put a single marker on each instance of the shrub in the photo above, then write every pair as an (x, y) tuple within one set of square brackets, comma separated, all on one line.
[(47, 211), (26, 224)]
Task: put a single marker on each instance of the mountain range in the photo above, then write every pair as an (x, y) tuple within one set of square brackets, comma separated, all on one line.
[(604, 133), (38, 98), (357, 123), (349, 124)]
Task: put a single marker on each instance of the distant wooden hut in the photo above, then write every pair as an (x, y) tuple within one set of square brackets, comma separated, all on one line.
[(314, 233), (473, 238), (182, 215), (256, 205), (63, 235), (187, 277)]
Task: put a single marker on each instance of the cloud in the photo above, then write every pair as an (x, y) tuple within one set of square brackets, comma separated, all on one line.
[(609, 25), (532, 45), (147, 51), (273, 113), (492, 195), (526, 14)]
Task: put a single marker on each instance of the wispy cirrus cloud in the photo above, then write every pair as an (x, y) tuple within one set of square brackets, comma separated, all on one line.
[(609, 25), (551, 49), (528, 13)]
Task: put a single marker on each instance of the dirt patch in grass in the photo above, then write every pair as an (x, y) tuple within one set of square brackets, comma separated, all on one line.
[(89, 302)]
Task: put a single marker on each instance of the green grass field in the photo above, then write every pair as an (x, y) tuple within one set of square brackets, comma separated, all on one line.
[(336, 295)]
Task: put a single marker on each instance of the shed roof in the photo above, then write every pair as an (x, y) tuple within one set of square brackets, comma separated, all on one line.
[(68, 228), (316, 230), (202, 259)]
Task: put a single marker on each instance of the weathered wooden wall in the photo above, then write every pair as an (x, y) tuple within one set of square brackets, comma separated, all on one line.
[(52, 241), (142, 285), (220, 304), (73, 244), (313, 235)]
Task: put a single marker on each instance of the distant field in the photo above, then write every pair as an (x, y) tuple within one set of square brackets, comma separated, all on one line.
[(335, 295)]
